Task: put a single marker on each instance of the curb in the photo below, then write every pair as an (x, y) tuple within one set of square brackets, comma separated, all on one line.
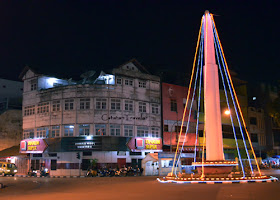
[(271, 179), (26, 176)]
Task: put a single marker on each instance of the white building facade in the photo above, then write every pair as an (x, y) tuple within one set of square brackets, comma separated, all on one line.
[(112, 117)]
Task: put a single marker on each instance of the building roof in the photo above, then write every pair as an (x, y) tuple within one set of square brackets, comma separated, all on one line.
[(12, 151), (137, 64), (150, 157), (77, 76)]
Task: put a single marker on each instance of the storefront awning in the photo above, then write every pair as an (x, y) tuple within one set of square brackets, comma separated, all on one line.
[(12, 151)]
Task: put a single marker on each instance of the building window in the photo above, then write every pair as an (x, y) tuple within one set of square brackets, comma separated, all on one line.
[(53, 164), (173, 104), (69, 104), (43, 107), (177, 129), (100, 129), (56, 106), (87, 153), (254, 137), (28, 134), (119, 81), (142, 131), (33, 84), (68, 130), (253, 120), (84, 104), (135, 153), (29, 110), (128, 131), (155, 108), (115, 104), (142, 84), (142, 107), (165, 128), (128, 105), (42, 132), (128, 82), (84, 129), (101, 104), (115, 130), (155, 132), (55, 131)]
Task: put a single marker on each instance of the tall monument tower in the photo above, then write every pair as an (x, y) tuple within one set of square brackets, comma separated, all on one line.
[(213, 125)]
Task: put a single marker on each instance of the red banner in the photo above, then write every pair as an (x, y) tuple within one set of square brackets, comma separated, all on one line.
[(138, 144)]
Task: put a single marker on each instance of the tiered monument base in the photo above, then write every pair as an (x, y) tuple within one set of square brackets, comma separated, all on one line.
[(211, 172), (215, 167)]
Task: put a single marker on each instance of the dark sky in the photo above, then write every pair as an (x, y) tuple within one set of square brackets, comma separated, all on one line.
[(76, 36)]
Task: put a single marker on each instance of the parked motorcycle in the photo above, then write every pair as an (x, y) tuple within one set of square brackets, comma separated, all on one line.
[(103, 172), (91, 173), (44, 172), (32, 172)]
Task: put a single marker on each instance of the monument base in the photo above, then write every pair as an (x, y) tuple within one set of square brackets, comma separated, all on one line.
[(214, 167)]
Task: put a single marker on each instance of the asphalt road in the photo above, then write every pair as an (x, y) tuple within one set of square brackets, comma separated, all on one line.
[(144, 188)]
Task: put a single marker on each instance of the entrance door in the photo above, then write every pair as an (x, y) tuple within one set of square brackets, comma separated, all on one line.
[(121, 162), (149, 168), (139, 163)]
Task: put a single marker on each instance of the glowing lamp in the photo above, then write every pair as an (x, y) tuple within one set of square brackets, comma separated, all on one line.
[(227, 112)]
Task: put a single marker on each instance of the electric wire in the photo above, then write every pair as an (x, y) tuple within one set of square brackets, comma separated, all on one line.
[(202, 161), (227, 100)]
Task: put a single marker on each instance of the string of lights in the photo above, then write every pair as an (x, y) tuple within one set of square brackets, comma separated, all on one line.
[(199, 95), (234, 103), (183, 119), (190, 110), (249, 139), (227, 100)]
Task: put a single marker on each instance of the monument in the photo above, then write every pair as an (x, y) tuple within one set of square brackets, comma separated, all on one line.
[(215, 169)]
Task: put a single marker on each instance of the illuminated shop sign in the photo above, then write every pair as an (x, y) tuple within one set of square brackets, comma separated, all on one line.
[(84, 145), (81, 144), (138, 144), (33, 146)]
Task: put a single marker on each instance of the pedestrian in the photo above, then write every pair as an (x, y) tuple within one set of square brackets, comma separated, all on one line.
[(141, 171)]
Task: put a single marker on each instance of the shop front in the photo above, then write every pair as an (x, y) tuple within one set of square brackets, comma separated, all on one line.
[(71, 156)]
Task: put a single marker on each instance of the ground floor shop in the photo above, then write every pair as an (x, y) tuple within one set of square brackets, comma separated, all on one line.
[(73, 156)]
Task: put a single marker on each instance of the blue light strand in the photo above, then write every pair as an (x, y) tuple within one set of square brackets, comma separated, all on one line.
[(190, 111), (237, 113), (233, 128), (199, 94)]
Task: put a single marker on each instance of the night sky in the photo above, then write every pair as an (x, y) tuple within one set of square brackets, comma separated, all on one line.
[(76, 36)]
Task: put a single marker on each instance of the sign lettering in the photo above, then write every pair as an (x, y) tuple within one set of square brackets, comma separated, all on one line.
[(33, 143), (105, 117)]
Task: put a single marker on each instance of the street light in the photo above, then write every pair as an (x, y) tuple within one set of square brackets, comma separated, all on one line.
[(227, 112)]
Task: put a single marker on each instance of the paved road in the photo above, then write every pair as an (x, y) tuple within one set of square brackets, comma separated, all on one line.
[(144, 188)]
